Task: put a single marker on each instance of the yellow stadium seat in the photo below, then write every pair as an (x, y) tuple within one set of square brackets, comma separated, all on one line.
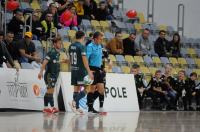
[(64, 67), (156, 61), (112, 58), (138, 27), (173, 61), (162, 27), (141, 17), (197, 61), (35, 5), (71, 34), (66, 45), (129, 59), (192, 52), (105, 25), (125, 35), (182, 62), (145, 71), (153, 70), (126, 69), (96, 25), (139, 60)]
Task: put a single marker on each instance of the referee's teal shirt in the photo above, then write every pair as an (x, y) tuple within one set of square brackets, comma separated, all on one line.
[(94, 54)]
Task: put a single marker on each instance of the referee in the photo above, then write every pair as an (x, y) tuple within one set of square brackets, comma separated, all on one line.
[(94, 54)]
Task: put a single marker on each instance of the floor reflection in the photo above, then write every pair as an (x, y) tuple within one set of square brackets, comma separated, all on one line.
[(113, 122)]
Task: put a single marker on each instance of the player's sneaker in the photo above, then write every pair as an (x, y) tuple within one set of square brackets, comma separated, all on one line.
[(93, 111), (54, 110), (102, 111), (47, 110), (72, 107), (79, 111)]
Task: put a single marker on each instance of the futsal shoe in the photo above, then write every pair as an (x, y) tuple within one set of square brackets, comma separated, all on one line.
[(54, 110), (47, 110)]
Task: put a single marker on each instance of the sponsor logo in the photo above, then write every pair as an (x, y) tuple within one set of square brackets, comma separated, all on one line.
[(116, 92), (38, 91), (17, 89)]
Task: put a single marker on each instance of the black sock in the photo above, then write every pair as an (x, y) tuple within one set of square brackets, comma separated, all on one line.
[(90, 101), (96, 95), (101, 100), (48, 98), (75, 94)]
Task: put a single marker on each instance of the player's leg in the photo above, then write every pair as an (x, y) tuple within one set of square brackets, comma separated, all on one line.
[(47, 95)]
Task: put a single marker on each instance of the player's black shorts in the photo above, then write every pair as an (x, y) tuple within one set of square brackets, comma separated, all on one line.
[(50, 80), (77, 78), (99, 75)]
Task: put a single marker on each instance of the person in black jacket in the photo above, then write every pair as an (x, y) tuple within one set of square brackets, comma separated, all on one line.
[(129, 45), (190, 91), (102, 12), (37, 29), (140, 84), (175, 46), (161, 45), (90, 8), (157, 91), (4, 54), (16, 25), (180, 87)]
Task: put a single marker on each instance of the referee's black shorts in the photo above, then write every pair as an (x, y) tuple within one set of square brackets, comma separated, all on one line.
[(99, 75)]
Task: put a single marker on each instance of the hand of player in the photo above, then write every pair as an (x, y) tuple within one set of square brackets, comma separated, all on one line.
[(91, 75), (164, 92), (40, 75)]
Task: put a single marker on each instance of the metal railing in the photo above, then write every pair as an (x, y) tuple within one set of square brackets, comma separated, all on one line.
[(150, 11), (181, 19)]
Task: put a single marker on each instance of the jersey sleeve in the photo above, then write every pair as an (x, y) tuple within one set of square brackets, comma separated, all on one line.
[(83, 50), (48, 56), (88, 51)]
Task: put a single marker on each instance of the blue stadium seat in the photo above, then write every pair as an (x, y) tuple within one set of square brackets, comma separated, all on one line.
[(116, 69), (148, 61), (164, 60), (191, 63)]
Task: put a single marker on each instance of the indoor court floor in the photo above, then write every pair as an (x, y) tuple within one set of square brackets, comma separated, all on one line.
[(112, 122)]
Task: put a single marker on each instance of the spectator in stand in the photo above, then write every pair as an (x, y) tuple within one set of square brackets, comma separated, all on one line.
[(102, 13), (140, 84), (90, 8), (26, 49), (175, 46), (129, 45), (79, 10), (197, 98), (52, 10), (16, 25), (48, 25), (110, 6), (5, 57), (62, 6), (11, 47), (143, 43), (115, 46), (37, 29), (157, 90), (161, 45), (181, 86), (190, 91), (71, 21)]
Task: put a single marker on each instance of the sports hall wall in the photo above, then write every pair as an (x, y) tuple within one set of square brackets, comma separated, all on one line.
[(166, 13)]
